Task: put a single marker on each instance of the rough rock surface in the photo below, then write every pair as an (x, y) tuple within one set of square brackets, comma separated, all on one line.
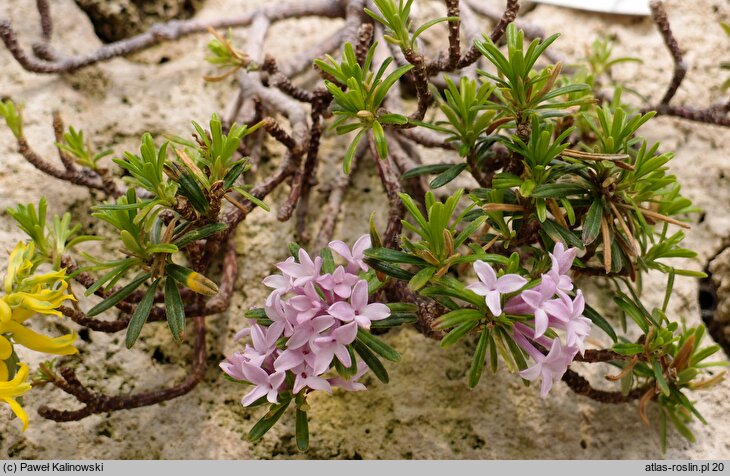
[(123, 18), (426, 411), (720, 269)]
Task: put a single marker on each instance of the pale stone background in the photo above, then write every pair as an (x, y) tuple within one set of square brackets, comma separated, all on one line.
[(426, 411)]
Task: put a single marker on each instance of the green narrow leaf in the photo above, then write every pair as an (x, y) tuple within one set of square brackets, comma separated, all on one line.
[(199, 234), (389, 269), (426, 170), (600, 321), (371, 360), (117, 297), (395, 320), (670, 287), (421, 278), (681, 427), (458, 332), (659, 375), (269, 420), (592, 223), (560, 234), (350, 152), (377, 345), (478, 362), (174, 308), (250, 197), (190, 189), (302, 430), (447, 176), (140, 314), (493, 358), (328, 261), (381, 144)]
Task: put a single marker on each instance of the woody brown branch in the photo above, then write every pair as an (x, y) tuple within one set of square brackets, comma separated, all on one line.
[(659, 15), (163, 32), (96, 402)]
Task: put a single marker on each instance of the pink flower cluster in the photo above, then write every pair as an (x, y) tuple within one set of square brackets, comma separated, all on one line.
[(316, 316), (551, 307)]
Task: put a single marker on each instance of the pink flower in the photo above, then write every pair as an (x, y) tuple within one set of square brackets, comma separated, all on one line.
[(356, 257), (304, 271), (265, 384), (549, 368), (291, 358), (318, 315), (358, 308), (340, 282), (562, 260), (335, 344), (492, 287), (352, 383), (264, 342), (233, 365), (569, 317), (305, 378), (536, 299), (308, 304), (306, 332)]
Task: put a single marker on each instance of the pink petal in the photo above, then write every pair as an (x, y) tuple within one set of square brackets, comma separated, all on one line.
[(292, 269), (346, 334), (532, 373), (342, 311), (376, 311), (343, 356), (318, 383), (479, 288), (541, 322), (277, 281), (321, 323), (359, 297), (299, 338), (494, 302), (341, 249), (486, 273), (254, 395), (272, 396), (510, 283), (532, 298), (288, 360), (323, 361), (362, 244), (343, 290), (546, 385), (255, 375), (557, 309), (277, 379), (579, 304), (305, 260)]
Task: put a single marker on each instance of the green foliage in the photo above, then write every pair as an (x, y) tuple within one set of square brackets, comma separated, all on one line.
[(224, 55), (358, 95), (520, 90), (75, 145), (13, 117), (179, 205), (396, 20), (463, 106), (52, 240)]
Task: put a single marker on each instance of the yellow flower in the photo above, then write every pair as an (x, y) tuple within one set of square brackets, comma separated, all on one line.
[(19, 264), (10, 390), (63, 345)]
